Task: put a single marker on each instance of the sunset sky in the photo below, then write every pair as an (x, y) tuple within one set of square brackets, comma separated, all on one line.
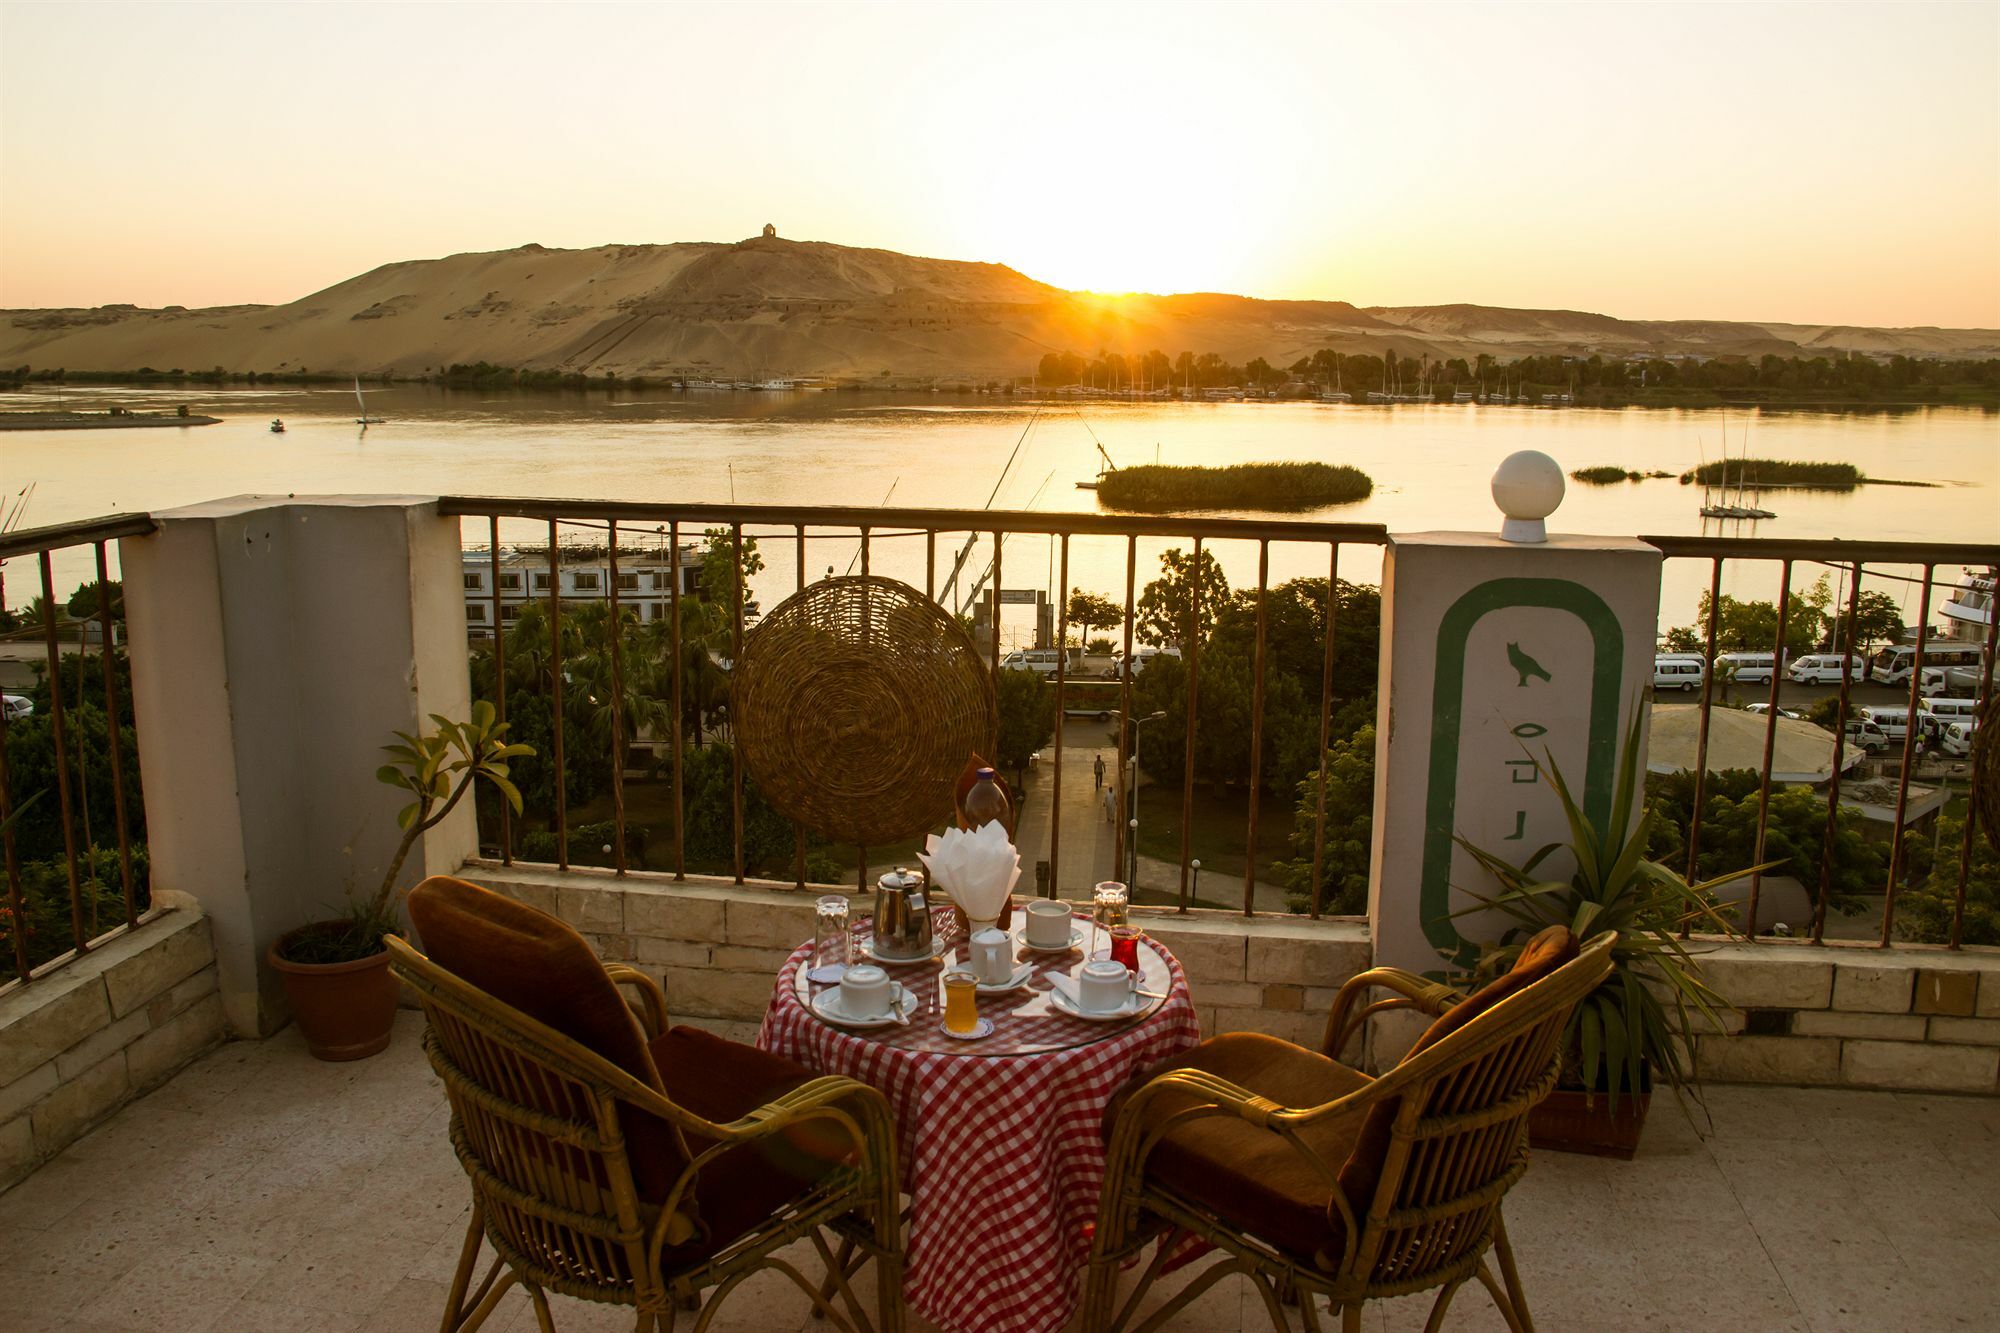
[(1808, 163)]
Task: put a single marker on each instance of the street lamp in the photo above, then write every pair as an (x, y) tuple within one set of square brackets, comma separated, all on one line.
[(1132, 805)]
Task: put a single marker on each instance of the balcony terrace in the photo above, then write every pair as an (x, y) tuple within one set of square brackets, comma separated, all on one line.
[(261, 1189), (170, 1157)]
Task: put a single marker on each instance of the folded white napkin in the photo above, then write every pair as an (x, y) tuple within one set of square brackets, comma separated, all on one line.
[(978, 869)]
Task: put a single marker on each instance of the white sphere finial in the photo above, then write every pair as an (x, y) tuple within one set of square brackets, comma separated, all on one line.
[(1527, 486)]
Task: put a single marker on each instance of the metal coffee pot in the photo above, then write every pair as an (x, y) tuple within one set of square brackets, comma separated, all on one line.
[(902, 915)]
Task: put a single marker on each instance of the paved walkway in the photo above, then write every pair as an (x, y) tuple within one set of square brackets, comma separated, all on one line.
[(1089, 840), (261, 1190)]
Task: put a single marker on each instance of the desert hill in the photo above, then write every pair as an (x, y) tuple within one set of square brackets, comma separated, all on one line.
[(770, 306)]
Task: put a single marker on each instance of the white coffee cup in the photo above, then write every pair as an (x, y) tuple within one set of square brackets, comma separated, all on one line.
[(1048, 924), (1102, 986), (992, 956), (865, 991)]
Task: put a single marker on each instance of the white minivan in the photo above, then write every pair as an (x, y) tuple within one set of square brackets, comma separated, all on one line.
[(1957, 739), (1746, 668), (1142, 656), (1824, 669), (1679, 671), (1866, 735), (1895, 723), (1041, 661), (1952, 710)]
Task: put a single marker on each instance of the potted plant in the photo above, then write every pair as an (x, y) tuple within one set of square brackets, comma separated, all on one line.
[(336, 972), (1622, 1038)]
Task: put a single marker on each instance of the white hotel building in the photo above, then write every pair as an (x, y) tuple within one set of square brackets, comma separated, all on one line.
[(645, 581)]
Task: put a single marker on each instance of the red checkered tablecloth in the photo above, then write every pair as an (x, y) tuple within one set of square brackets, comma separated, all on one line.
[(1002, 1155)]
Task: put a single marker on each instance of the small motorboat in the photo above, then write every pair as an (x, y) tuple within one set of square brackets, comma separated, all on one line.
[(277, 425)]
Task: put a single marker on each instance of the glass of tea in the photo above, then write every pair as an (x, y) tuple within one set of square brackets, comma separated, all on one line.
[(1125, 946), (961, 1001), (1108, 904)]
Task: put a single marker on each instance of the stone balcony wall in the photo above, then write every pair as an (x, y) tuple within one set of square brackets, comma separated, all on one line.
[(1911, 1018), (80, 1042), (717, 946)]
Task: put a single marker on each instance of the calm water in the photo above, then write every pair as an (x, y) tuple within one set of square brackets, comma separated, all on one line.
[(1431, 465)]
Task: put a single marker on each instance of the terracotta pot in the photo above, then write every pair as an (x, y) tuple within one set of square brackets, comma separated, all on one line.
[(1572, 1120), (345, 1011)]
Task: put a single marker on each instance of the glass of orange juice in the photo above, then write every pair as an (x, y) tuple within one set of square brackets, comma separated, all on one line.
[(961, 1001)]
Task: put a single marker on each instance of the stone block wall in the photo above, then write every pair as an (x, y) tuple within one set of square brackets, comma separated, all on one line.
[(80, 1042), (1911, 1017), (717, 947)]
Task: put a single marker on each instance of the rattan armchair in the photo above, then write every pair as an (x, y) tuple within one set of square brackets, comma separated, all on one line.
[(1407, 1170), (539, 1123)]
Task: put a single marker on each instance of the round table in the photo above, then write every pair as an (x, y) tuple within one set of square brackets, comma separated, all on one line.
[(999, 1140)]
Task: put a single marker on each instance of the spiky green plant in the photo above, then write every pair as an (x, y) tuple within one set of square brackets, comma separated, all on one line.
[(1622, 1028)]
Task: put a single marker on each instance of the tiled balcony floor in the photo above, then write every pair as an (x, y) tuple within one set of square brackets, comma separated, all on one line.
[(261, 1190)]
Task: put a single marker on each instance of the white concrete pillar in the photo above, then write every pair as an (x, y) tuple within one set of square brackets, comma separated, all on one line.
[(1496, 652), (276, 644)]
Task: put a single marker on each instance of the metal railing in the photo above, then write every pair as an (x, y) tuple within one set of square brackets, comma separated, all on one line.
[(1851, 561), (71, 795), (872, 527)]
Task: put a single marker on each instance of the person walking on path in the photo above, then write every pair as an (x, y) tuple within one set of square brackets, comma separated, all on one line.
[(1110, 806), (1098, 769)]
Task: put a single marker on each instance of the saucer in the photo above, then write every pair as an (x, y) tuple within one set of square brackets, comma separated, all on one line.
[(1133, 1005), (983, 1029), (1075, 938), (1013, 983), (826, 1007), (937, 947)]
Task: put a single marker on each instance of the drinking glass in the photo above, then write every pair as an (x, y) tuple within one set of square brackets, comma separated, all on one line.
[(833, 940), (961, 1001), (1125, 946), (1108, 902)]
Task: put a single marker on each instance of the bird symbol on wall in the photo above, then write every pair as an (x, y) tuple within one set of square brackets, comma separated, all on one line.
[(1525, 664)]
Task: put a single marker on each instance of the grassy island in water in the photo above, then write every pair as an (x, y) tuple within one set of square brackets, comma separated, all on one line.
[(1288, 486), (1777, 472)]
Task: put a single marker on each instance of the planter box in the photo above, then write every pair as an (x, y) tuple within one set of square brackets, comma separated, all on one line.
[(1570, 1120)]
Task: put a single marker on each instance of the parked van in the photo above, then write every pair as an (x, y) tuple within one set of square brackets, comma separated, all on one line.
[(1824, 669), (1952, 710), (1679, 671), (1957, 739), (1895, 723), (1746, 668), (1041, 661), (18, 706), (1141, 657), (1866, 735), (1892, 665)]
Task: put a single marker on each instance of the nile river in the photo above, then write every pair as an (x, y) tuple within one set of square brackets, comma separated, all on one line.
[(1431, 465)]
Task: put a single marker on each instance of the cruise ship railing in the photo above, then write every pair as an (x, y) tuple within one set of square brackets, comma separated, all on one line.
[(1929, 568), (70, 742), (801, 526)]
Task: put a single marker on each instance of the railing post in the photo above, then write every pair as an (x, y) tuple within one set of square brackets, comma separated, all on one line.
[(1496, 654), (275, 648)]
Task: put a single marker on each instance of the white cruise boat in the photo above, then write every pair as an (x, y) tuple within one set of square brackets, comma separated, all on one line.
[(1968, 612)]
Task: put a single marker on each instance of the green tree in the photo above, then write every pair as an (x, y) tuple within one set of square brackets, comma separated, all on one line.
[(1350, 823), (1877, 620), (718, 581), (1027, 708), (1928, 902), (1166, 611), (1088, 611)]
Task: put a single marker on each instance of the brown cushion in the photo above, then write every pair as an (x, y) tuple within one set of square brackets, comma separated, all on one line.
[(529, 960), (721, 1080), (1248, 1176), (1540, 956)]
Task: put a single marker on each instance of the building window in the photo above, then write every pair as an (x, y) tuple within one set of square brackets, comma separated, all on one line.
[(655, 611), (626, 581), (510, 582), (510, 611), (476, 611), (541, 583), (585, 582), (474, 582), (659, 580)]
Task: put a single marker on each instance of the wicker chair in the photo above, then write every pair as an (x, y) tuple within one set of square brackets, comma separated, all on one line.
[(1315, 1180), (543, 1125)]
